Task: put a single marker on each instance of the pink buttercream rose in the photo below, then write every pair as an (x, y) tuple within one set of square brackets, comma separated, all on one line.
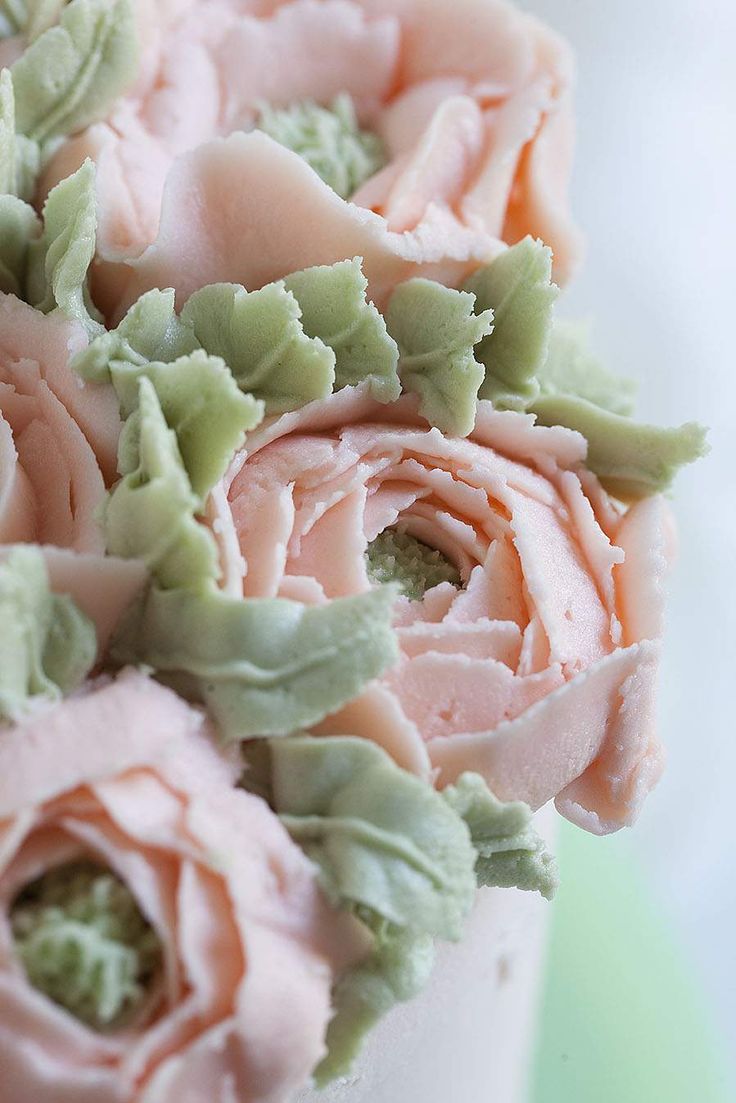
[(123, 776), (536, 666), (58, 435), (471, 102)]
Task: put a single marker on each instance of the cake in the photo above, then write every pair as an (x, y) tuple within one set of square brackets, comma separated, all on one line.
[(332, 562)]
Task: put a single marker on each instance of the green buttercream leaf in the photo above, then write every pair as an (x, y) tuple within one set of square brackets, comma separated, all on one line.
[(518, 288), (263, 667), (84, 943), (47, 645), (437, 330), (631, 459), (73, 73), (573, 370), (20, 157), (150, 513), (395, 556), (335, 310), (201, 403), (59, 260), (150, 331), (260, 337), (19, 226), (329, 139), (510, 852), (28, 17), (397, 971), (384, 840)]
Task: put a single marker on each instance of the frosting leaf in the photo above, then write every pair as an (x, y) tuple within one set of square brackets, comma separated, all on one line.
[(335, 310), (150, 513), (262, 666), (47, 645), (632, 460), (19, 226), (20, 157), (384, 840), (151, 330), (85, 944), (73, 73), (511, 854), (572, 369), (437, 330), (201, 403), (260, 337), (329, 139), (396, 971), (517, 286), (58, 261)]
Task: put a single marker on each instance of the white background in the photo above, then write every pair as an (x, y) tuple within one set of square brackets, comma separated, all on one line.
[(655, 190)]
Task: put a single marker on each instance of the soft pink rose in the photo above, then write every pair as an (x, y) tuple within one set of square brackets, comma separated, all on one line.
[(125, 775), (58, 435), (472, 100), (539, 673)]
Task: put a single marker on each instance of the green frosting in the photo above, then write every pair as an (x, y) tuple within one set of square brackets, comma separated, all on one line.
[(47, 645), (396, 971), (632, 460), (20, 157), (436, 330), (59, 260), (391, 850), (19, 225), (510, 852), (73, 73), (150, 513), (518, 288), (335, 310), (262, 666), (329, 139), (572, 369), (398, 557), (28, 17), (85, 944), (260, 336)]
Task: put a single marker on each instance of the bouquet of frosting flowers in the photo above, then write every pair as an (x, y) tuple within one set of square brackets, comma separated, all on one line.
[(329, 554)]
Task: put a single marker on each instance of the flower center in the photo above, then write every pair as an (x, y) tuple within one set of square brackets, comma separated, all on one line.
[(398, 557), (85, 944), (329, 139)]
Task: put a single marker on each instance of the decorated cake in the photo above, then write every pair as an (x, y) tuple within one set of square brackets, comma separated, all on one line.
[(332, 561)]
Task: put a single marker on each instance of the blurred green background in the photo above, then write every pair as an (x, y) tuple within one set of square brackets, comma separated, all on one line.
[(624, 1020)]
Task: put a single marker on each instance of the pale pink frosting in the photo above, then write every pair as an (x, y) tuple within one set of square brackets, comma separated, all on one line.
[(125, 773), (472, 100), (539, 673), (58, 435)]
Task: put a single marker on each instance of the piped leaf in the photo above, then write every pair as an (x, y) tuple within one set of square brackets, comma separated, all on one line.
[(150, 513), (518, 288), (202, 404), (335, 310), (47, 645), (264, 666), (73, 72), (260, 337), (19, 226), (436, 330), (59, 260), (632, 460), (150, 331), (572, 369), (384, 840), (511, 854)]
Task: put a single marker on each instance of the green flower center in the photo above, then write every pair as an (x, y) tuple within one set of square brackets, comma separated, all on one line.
[(398, 557), (85, 944), (329, 139)]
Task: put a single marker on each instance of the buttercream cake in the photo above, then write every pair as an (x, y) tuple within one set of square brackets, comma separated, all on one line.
[(332, 562)]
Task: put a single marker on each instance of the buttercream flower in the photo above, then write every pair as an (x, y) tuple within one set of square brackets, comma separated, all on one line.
[(58, 435), (532, 602), (161, 938), (447, 127)]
